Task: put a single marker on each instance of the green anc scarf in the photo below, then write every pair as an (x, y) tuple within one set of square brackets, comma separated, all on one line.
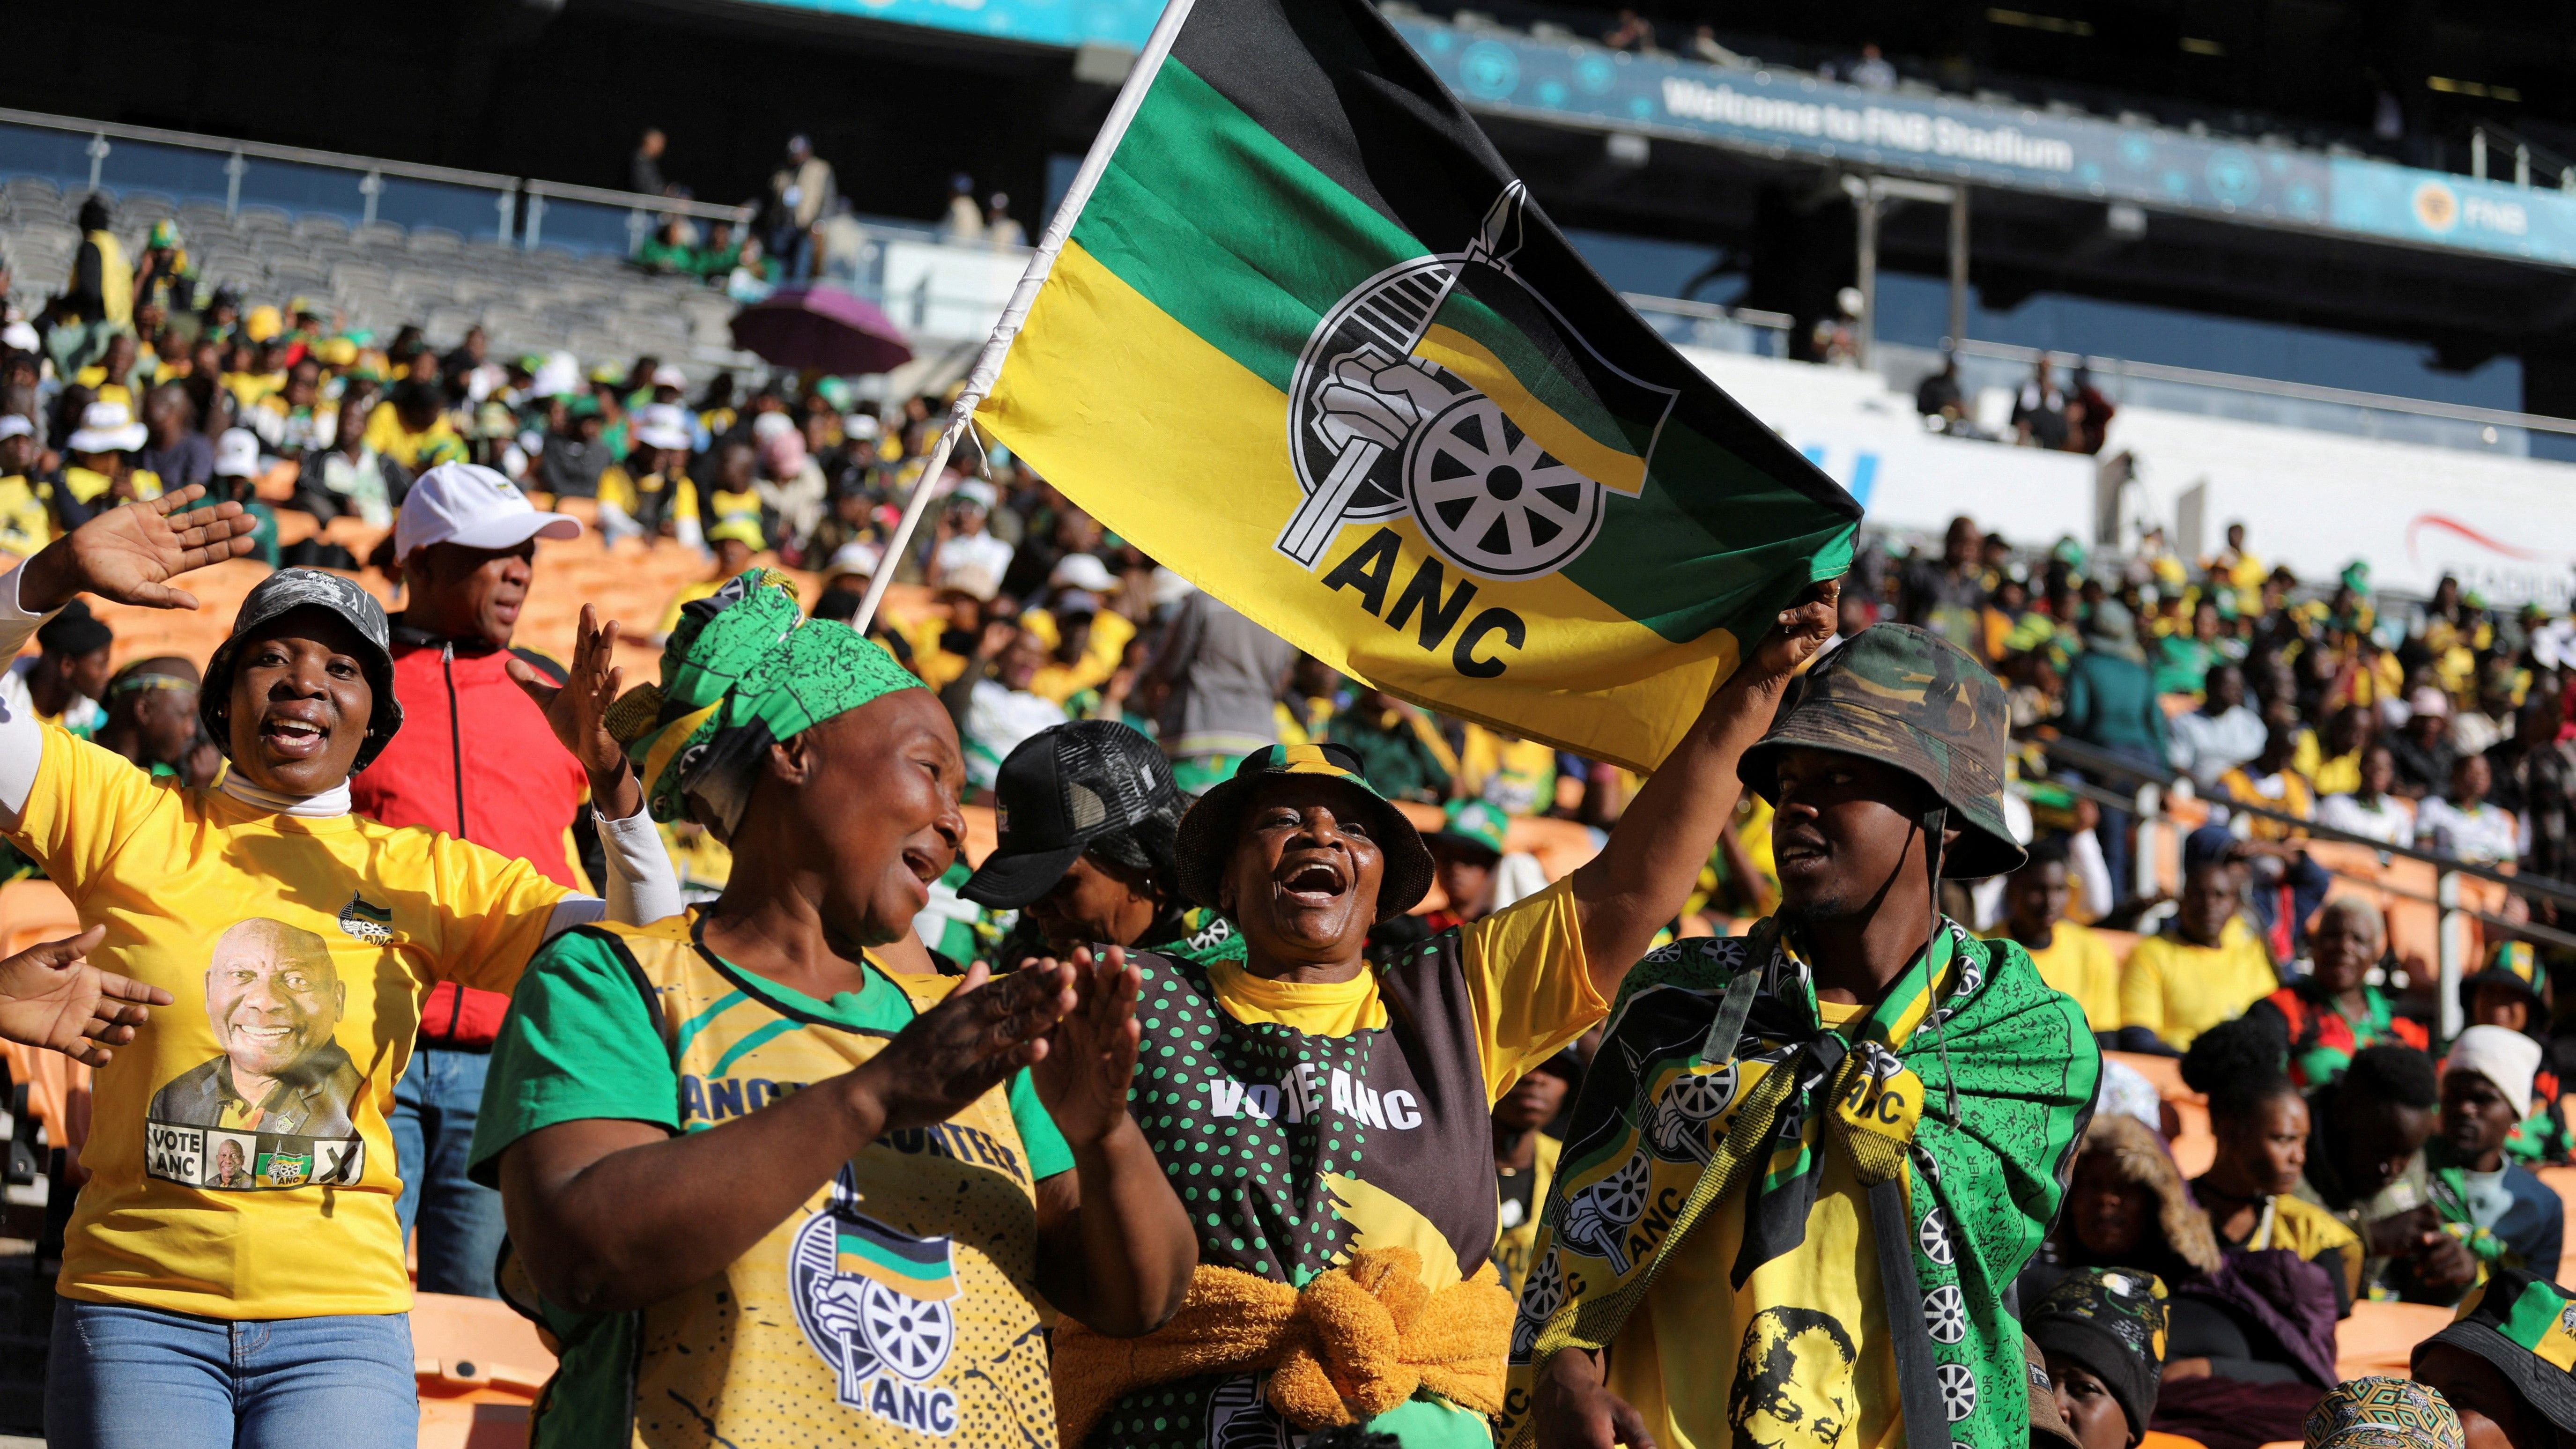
[(1717, 1076)]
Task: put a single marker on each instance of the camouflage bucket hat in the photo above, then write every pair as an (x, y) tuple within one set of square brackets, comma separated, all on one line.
[(1209, 830), (1908, 698)]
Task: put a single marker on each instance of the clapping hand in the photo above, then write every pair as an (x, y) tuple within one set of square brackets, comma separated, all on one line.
[(52, 997), (1091, 1054), (967, 1045)]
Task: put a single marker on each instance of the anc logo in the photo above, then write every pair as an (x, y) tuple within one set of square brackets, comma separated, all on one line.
[(372, 924), (1404, 402), (874, 1304)]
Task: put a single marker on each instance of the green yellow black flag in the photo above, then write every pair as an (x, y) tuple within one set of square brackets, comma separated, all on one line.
[(1304, 338)]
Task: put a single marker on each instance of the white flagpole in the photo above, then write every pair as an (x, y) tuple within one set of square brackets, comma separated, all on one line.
[(988, 363)]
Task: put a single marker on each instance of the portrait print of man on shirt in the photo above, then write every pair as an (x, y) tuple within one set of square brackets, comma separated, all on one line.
[(274, 1000)]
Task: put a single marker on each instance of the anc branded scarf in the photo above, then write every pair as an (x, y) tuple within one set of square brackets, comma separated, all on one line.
[(1959, 1099)]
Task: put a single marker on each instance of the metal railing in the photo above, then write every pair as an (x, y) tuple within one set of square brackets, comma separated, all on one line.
[(2146, 801), (110, 156)]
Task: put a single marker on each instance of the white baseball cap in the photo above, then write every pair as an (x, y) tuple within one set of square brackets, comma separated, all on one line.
[(1082, 571), (22, 336), (237, 454), (466, 503), (668, 375), (662, 425), (15, 425), (975, 491)]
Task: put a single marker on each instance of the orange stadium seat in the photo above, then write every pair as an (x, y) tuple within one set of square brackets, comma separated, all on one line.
[(2380, 1338), (478, 1366)]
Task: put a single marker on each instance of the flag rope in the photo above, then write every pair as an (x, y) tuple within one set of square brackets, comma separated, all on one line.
[(988, 363)]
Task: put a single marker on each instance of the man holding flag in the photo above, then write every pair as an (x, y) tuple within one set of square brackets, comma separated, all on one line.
[(1298, 333)]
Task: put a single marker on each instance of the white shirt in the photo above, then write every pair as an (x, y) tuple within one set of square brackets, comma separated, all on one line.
[(998, 719), (2482, 834), (2208, 746), (18, 697), (2390, 820)]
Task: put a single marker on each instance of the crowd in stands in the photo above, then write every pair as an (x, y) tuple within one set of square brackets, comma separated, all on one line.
[(2358, 1156)]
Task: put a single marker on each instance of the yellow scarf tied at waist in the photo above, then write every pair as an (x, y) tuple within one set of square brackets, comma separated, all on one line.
[(1352, 1344)]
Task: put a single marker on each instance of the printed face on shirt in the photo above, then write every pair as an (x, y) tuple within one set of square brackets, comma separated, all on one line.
[(1793, 1381), (272, 996)]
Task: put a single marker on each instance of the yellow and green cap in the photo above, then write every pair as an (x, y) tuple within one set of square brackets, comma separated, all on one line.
[(2514, 965), (2525, 1326), (1477, 824), (1209, 830)]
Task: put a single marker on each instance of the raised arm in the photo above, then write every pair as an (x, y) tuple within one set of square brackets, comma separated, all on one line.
[(642, 887), (613, 1215), (1641, 878), (127, 554)]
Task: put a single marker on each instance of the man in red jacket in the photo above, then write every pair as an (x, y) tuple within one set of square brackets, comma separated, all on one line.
[(475, 760)]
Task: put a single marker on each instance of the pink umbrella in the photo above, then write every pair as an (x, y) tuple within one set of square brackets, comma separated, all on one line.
[(823, 328)]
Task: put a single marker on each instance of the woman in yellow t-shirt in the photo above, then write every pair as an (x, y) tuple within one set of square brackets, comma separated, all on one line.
[(241, 1170), (1330, 1122)]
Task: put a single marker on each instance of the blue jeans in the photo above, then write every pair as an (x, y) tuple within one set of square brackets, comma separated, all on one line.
[(433, 1125), (122, 1377)]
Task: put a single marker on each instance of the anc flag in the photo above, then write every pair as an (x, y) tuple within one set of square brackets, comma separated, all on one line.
[(1311, 344), (918, 1268)]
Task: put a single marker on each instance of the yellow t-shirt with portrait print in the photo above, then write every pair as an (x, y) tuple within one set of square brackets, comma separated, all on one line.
[(1527, 983), (240, 1163), (1814, 1319), (88, 485)]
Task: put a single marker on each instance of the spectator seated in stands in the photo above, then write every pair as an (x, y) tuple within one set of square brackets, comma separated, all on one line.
[(411, 426), (2461, 822), (236, 478), (2267, 782), (2071, 957), (2101, 1333), (26, 494), (175, 451), (2423, 744), (2183, 659), (2367, 1130), (1946, 595), (1399, 745), (152, 721), (734, 542), (2332, 1012), (1465, 852), (64, 682), (2127, 1207), (963, 539), (573, 456), (119, 375), (992, 703), (349, 478), (2221, 734), (2261, 1123), (2512, 992), (2205, 967), (2372, 809), (2502, 1364), (2488, 1202), (100, 471)]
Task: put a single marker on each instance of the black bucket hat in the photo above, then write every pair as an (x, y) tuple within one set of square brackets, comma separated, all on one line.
[(2526, 1327), (1208, 831), (1912, 699), (283, 593), (2514, 966), (1062, 789)]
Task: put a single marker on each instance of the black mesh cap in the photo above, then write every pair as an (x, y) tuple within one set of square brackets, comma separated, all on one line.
[(1062, 789)]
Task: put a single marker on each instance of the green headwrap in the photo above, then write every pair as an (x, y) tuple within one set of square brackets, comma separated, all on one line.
[(744, 669)]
